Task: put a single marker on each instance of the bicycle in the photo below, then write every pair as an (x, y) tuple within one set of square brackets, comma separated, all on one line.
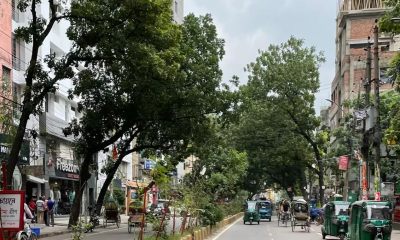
[(26, 234)]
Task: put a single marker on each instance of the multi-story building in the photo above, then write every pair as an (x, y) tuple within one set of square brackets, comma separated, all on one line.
[(356, 20), (354, 24), (50, 148)]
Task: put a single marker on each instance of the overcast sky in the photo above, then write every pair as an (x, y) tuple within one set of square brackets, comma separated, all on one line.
[(249, 25)]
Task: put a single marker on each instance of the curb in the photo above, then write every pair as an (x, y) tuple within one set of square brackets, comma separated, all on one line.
[(205, 232), (60, 232)]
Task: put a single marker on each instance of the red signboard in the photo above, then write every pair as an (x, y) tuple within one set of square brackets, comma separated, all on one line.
[(377, 196), (12, 210), (364, 198), (343, 163)]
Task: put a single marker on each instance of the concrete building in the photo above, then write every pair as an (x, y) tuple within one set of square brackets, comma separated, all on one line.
[(53, 166), (354, 24)]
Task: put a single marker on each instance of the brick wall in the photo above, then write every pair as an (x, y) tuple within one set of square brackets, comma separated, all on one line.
[(361, 28)]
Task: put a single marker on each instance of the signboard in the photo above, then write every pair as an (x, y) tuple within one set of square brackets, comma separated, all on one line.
[(364, 177), (343, 161), (133, 194), (149, 164), (5, 149), (397, 188), (12, 210), (377, 196), (66, 169)]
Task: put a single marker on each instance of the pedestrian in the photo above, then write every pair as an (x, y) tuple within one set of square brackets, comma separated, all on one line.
[(56, 207), (50, 206), (32, 205), (40, 210), (46, 211)]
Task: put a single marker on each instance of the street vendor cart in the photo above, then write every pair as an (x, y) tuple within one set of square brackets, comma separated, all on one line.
[(111, 213)]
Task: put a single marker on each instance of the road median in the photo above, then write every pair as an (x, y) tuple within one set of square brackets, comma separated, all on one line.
[(205, 232)]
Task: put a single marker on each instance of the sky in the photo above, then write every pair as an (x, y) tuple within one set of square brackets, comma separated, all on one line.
[(249, 25)]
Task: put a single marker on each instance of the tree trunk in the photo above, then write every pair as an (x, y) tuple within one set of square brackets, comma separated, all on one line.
[(84, 176), (303, 185), (321, 182), (76, 205), (103, 192), (17, 143), (110, 177)]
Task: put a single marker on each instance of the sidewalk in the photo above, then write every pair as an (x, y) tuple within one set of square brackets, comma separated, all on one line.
[(396, 231), (63, 221)]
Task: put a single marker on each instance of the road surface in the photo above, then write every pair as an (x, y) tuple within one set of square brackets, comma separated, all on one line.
[(268, 231)]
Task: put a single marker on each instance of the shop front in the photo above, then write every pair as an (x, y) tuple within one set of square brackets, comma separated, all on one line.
[(132, 193), (62, 175)]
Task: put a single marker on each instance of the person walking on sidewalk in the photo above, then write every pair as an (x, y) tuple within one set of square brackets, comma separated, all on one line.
[(50, 218), (46, 211), (40, 210)]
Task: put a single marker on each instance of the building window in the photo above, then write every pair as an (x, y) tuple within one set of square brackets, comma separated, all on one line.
[(384, 78), (16, 61), (15, 11), (56, 99), (176, 7), (6, 76)]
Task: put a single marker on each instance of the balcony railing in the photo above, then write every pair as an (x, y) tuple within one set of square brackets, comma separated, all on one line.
[(18, 64), (15, 15), (347, 5)]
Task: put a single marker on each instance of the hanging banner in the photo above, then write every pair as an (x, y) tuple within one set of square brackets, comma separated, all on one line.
[(343, 161), (364, 176)]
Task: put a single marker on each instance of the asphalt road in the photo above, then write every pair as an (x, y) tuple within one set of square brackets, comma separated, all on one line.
[(268, 231), (121, 233)]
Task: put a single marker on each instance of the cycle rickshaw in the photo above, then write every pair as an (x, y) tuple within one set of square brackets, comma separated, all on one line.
[(300, 215), (111, 212)]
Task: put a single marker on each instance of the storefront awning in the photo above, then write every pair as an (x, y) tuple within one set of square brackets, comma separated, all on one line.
[(36, 179), (134, 184)]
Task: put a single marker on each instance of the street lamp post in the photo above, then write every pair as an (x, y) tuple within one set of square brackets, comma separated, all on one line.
[(346, 181)]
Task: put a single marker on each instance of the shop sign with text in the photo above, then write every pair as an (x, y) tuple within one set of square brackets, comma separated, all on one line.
[(12, 210), (66, 168)]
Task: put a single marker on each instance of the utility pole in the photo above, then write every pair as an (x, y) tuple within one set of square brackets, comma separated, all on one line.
[(377, 132), (365, 138)]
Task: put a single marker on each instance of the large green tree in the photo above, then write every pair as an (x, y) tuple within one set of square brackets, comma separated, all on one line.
[(285, 79), (155, 82)]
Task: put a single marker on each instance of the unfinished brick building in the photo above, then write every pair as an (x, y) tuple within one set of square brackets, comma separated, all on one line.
[(354, 23)]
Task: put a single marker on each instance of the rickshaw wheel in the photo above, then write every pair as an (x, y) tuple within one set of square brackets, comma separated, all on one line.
[(118, 222), (244, 222), (323, 235), (292, 223)]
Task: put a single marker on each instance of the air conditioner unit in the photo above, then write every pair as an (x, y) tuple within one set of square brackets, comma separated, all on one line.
[(359, 125)]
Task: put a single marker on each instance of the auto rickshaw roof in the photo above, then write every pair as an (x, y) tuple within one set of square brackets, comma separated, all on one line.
[(339, 203), (251, 201), (370, 202), (264, 201)]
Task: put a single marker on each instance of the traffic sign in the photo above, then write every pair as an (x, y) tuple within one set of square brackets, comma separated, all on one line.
[(377, 196)]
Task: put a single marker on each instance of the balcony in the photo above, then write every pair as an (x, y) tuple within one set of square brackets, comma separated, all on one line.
[(349, 5), (18, 64), (53, 125)]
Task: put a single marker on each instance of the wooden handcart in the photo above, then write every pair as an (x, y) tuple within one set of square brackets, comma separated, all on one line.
[(135, 216)]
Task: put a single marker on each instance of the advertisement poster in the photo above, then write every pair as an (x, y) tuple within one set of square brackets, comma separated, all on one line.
[(343, 163), (133, 194), (364, 177), (12, 210)]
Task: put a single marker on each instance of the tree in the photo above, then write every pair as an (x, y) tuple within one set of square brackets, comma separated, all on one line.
[(155, 82), (285, 78), (275, 154)]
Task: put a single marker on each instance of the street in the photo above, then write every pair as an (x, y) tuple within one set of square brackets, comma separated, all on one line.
[(268, 231)]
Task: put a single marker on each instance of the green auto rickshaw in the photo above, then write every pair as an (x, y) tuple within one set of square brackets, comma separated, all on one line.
[(336, 219), (370, 220), (251, 213)]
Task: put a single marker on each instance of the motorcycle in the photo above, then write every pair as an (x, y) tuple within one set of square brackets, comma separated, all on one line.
[(94, 219)]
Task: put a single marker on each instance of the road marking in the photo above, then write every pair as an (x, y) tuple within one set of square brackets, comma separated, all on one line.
[(88, 235), (270, 234), (223, 231)]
